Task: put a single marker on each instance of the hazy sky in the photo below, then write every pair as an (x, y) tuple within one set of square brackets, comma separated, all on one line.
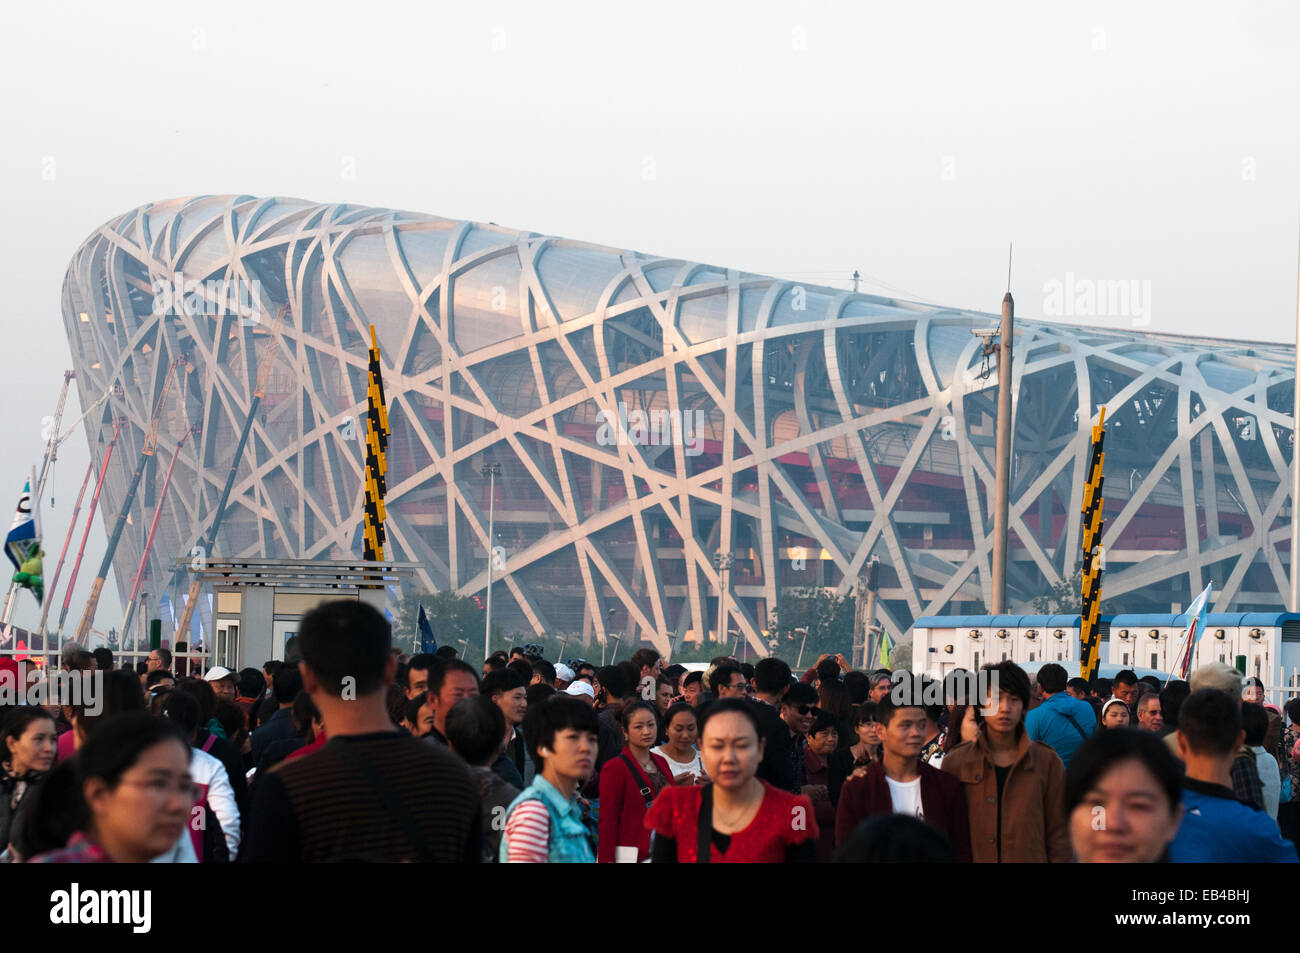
[(1152, 143)]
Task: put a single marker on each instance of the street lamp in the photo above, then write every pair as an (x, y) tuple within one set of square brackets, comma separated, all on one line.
[(722, 561), (491, 471), (608, 634)]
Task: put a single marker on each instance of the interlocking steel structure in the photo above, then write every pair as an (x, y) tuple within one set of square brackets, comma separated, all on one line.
[(650, 414)]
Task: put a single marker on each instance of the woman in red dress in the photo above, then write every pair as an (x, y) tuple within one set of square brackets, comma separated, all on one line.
[(738, 818)]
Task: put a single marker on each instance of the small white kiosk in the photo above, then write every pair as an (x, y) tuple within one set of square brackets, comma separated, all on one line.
[(257, 603)]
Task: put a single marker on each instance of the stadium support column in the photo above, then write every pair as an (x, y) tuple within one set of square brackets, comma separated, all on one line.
[(1002, 480)]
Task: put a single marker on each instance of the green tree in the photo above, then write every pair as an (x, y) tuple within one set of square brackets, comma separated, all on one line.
[(1066, 597), (452, 617), (826, 616)]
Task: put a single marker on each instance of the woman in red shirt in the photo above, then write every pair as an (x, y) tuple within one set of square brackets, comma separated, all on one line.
[(738, 818), (628, 784)]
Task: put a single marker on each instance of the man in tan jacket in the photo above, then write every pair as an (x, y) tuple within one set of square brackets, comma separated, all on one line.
[(1015, 788)]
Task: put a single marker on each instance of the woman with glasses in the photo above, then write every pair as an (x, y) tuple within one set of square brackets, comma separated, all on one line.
[(867, 730), (825, 776), (737, 818), (131, 793)]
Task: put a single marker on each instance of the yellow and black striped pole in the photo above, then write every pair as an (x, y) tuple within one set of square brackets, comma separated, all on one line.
[(376, 456), (1089, 632)]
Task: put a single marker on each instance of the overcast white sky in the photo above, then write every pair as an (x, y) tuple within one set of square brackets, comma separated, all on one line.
[(1152, 142)]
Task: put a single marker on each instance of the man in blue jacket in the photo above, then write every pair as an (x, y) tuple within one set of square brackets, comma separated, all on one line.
[(1061, 721), (1216, 827)]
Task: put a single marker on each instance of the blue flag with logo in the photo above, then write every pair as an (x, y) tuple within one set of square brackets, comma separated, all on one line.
[(24, 535)]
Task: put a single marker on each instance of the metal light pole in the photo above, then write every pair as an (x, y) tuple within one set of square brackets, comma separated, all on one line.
[(1294, 601), (491, 471), (723, 563), (1002, 480)]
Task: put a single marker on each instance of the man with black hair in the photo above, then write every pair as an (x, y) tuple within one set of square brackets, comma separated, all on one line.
[(692, 686), (370, 793), (159, 678), (1101, 688), (543, 673), (1224, 678), (280, 725), (510, 694), (1254, 722), (448, 684), (901, 783), (103, 659), (159, 659), (417, 673), (771, 679), (1172, 697), (1061, 721), (728, 681), (1015, 787), (798, 711), (611, 689), (858, 685), (1216, 827), (446, 652), (475, 727), (1125, 687)]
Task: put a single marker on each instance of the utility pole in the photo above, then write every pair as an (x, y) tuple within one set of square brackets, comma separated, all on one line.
[(864, 622), (1002, 479), (856, 276), (491, 471)]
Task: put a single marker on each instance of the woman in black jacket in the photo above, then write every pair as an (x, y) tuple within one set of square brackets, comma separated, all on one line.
[(28, 744)]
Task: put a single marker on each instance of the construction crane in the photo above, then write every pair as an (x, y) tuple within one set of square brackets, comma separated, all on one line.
[(149, 449), (114, 391), (153, 528), (209, 541), (90, 520)]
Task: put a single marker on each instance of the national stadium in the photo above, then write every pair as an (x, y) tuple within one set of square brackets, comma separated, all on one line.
[(649, 414)]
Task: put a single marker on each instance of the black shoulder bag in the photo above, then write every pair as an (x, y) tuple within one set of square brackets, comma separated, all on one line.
[(705, 826), (646, 791), (392, 803)]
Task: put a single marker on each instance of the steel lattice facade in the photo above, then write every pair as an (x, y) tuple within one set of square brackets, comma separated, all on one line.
[(801, 429)]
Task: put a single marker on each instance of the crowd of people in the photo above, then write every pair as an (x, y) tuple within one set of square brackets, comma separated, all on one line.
[(352, 751)]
